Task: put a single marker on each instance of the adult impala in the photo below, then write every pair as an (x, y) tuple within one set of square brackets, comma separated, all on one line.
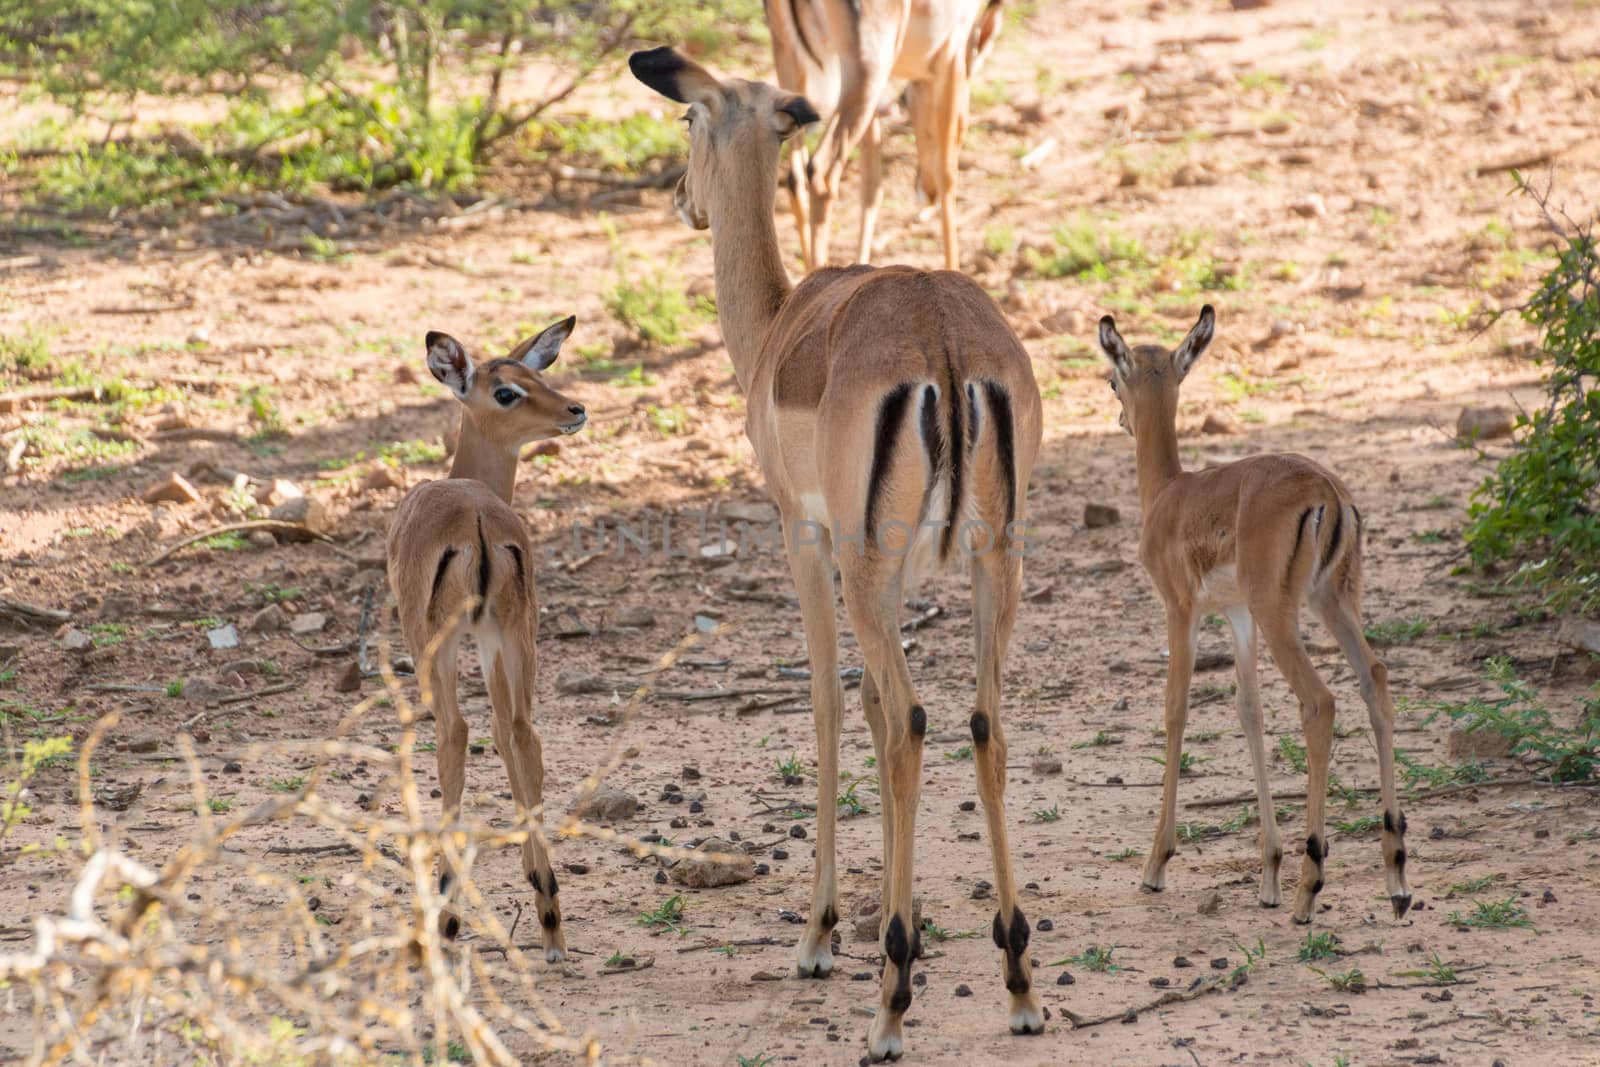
[(1253, 539), (887, 409), (840, 55), (460, 563)]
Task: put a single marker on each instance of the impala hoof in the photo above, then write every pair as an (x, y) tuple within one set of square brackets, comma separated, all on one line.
[(555, 955), (449, 926), (1402, 904), (1026, 1018), (1146, 887)]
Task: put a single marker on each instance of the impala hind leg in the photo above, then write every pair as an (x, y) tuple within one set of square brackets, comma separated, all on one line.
[(996, 582), (812, 566), (1342, 616), (511, 694), (874, 603), (799, 187), (1244, 658), (1182, 631), (871, 187), (1280, 627), (452, 757)]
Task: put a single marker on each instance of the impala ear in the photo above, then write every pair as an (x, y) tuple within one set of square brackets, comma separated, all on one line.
[(984, 31), (792, 115), (674, 77), (1113, 347), (1189, 350), (448, 362), (541, 350)]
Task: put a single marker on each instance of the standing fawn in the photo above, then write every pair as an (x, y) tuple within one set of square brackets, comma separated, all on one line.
[(1252, 539), (460, 563), (895, 419), (840, 55)]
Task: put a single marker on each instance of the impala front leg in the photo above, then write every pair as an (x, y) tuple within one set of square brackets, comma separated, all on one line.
[(1181, 634)]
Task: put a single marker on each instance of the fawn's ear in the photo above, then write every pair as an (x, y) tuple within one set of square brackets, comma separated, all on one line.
[(1114, 348), (541, 350), (792, 114), (675, 77), (984, 31), (448, 362), (1190, 348)]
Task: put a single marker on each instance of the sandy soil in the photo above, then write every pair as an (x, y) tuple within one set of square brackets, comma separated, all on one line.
[(1344, 341)]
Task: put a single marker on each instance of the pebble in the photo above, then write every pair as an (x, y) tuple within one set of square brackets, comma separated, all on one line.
[(1046, 765), (1181, 962), (696, 807), (268, 620), (577, 868), (77, 641), (173, 489), (232, 767), (607, 804), (715, 863), (223, 637), (1096, 516), (309, 622), (963, 990), (797, 832), (982, 890), (1065, 978), (780, 854), (636, 615), (1220, 963), (1044, 926), (1483, 424), (969, 805), (1211, 903)]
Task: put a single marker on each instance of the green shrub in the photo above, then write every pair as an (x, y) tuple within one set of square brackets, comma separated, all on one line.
[(1541, 506)]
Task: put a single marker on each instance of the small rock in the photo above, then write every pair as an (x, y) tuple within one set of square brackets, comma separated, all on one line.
[(705, 623), (305, 510), (780, 853), (350, 680), (77, 641), (309, 622), (174, 489), (1483, 424), (572, 683), (1309, 206), (1160, 982), (607, 804), (223, 637), (144, 744), (1182, 962), (982, 890), (1211, 903), (1220, 963), (577, 867), (1218, 423), (1044, 926), (1065, 978), (1097, 515), (1046, 765), (636, 615), (963, 990), (1548, 898), (691, 773), (232, 767), (969, 805), (275, 492), (716, 862), (268, 620), (263, 539), (797, 832), (759, 514), (381, 477)]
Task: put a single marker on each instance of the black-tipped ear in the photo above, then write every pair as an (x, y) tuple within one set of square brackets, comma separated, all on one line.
[(800, 110), (541, 350), (1113, 347), (659, 68), (1190, 348), (448, 362), (673, 76)]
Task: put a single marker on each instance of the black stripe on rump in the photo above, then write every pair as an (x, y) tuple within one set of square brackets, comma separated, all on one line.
[(1005, 440), (1299, 536), (522, 573), (891, 413), (483, 574), (972, 416), (438, 579), (1333, 538), (957, 457)]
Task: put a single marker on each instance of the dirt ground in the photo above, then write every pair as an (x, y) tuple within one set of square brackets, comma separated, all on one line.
[(1356, 189)]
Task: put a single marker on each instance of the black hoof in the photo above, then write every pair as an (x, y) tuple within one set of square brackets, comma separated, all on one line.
[(1302, 922), (1146, 887), (813, 972), (1274, 904), (1402, 904), (452, 927)]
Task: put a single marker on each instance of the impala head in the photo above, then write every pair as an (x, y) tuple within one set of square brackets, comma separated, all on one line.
[(507, 399), (1146, 377), (731, 123)]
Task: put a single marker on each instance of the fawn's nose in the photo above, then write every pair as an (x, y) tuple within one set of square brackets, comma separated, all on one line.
[(575, 409)]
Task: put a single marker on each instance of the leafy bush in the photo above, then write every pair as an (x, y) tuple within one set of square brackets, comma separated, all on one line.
[(1567, 755), (1542, 504), (358, 95)]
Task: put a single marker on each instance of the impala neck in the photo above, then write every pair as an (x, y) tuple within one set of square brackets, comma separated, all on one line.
[(478, 457), (750, 278), (1155, 446)]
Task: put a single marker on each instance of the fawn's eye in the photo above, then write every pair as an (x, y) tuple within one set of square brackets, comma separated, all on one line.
[(506, 397)]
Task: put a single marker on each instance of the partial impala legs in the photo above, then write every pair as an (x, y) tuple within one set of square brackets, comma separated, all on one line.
[(996, 583), (871, 186), (452, 760), (873, 600), (510, 673), (1343, 618), (1182, 632), (1249, 702), (812, 566)]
